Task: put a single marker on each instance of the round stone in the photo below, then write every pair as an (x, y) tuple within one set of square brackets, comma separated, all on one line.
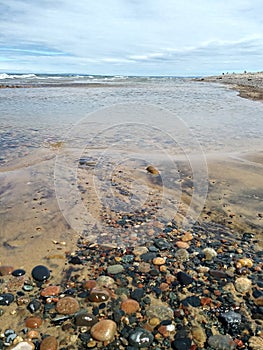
[(105, 281), (6, 299), (6, 270), (182, 245), (33, 322), (85, 319), (98, 295), (243, 284), (210, 253), (40, 273), (88, 285), (49, 343), (50, 291), (67, 306), (158, 261), (140, 338), (18, 272), (144, 267), (221, 342), (34, 305), (140, 250), (104, 330), (161, 311), (115, 269), (183, 278), (182, 255), (130, 306)]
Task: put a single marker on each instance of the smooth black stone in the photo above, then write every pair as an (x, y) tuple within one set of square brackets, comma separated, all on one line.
[(166, 323), (102, 306), (181, 344), (140, 338), (18, 272), (75, 260), (6, 299), (84, 294), (146, 257), (183, 278), (34, 305), (138, 294), (193, 301), (40, 273), (117, 315), (153, 249)]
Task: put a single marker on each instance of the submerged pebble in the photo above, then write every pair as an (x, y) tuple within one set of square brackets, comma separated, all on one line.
[(104, 330), (40, 273), (140, 338)]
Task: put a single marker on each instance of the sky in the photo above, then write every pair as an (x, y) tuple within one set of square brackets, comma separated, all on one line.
[(131, 37)]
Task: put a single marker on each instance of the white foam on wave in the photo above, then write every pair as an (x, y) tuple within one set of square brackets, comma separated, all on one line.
[(17, 76)]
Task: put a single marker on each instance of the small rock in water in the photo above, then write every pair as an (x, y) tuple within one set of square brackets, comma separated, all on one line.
[(183, 278), (181, 344), (104, 330), (160, 311), (18, 272), (50, 291), (105, 281), (6, 299), (33, 322), (230, 319), (40, 273), (115, 269), (34, 305), (182, 255), (85, 319), (67, 306), (6, 270), (49, 343), (98, 295), (221, 342), (140, 338)]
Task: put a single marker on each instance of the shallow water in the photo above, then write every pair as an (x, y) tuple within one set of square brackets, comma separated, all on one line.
[(47, 195)]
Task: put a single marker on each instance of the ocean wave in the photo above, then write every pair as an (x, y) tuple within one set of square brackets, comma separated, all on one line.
[(17, 76)]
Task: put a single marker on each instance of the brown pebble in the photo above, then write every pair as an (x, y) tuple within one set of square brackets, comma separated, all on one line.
[(259, 301), (50, 291), (152, 170), (187, 237), (88, 285), (33, 322), (104, 330), (182, 245), (164, 287), (33, 334), (67, 306), (144, 267), (158, 261), (98, 295), (6, 270), (49, 343), (130, 306)]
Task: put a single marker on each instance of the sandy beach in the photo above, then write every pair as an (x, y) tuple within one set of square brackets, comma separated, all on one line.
[(144, 281)]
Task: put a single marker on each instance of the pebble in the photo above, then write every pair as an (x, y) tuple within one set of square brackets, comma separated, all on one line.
[(86, 319), (40, 273), (6, 270), (115, 269), (159, 261), (181, 344), (50, 291), (259, 301), (243, 284), (210, 253), (160, 311), (130, 306), (182, 255), (67, 306), (24, 345), (140, 250), (104, 330), (161, 244), (230, 318), (140, 338), (182, 245), (33, 322), (88, 285), (98, 295), (221, 342), (6, 299), (105, 281), (152, 170), (199, 335), (49, 343), (18, 272), (183, 278), (34, 305), (144, 267)]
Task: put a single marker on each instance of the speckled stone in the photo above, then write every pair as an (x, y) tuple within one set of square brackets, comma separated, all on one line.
[(144, 267), (49, 343), (67, 306), (130, 306), (33, 322), (115, 269), (140, 338), (104, 330), (182, 255), (210, 253), (243, 284), (159, 261), (160, 311), (140, 250), (50, 291), (221, 342), (105, 281)]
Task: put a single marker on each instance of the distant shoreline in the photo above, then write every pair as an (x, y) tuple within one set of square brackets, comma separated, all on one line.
[(249, 85)]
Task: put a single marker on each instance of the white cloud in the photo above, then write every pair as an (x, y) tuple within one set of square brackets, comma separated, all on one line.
[(110, 36)]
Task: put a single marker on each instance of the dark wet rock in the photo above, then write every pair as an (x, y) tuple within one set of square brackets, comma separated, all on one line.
[(98, 295), (218, 274), (231, 320), (138, 294), (183, 278), (148, 257), (18, 272), (140, 338), (161, 244), (221, 342), (6, 299), (181, 344), (193, 301), (75, 260), (40, 273), (86, 319), (257, 293), (34, 305)]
